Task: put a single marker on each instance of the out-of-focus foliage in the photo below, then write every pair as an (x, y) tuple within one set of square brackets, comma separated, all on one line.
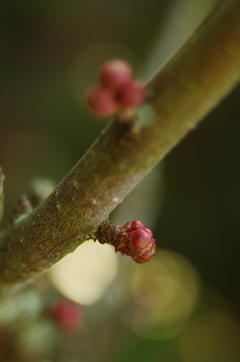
[(183, 306)]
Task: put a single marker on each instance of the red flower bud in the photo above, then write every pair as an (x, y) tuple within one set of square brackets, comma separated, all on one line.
[(134, 225), (67, 314), (118, 92), (132, 95), (101, 102), (147, 253), (139, 240), (115, 74), (136, 240)]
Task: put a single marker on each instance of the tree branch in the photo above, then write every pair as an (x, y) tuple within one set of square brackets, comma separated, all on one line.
[(2, 178), (181, 94)]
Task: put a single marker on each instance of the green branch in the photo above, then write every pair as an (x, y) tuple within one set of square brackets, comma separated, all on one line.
[(182, 93)]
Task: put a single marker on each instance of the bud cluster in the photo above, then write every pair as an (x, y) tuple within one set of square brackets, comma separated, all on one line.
[(118, 91), (137, 241)]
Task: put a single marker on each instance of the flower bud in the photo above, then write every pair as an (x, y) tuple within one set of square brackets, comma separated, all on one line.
[(132, 95), (137, 241), (140, 240), (67, 314), (134, 225), (147, 253), (115, 74), (101, 102)]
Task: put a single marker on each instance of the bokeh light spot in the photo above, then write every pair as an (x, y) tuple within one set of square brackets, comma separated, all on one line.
[(211, 337), (85, 275), (164, 293)]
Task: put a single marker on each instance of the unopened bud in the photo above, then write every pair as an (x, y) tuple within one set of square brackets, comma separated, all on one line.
[(67, 314), (101, 102), (115, 74), (132, 95), (136, 240), (141, 245), (134, 225)]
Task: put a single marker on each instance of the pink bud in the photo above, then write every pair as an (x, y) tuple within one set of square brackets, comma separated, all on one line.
[(132, 95), (139, 241), (133, 225), (67, 314), (115, 74), (147, 254), (133, 239), (143, 259), (141, 245), (101, 102)]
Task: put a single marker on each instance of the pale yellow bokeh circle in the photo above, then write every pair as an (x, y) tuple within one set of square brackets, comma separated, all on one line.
[(165, 292), (85, 275)]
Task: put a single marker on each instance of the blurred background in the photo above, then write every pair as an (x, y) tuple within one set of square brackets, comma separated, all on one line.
[(96, 306)]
